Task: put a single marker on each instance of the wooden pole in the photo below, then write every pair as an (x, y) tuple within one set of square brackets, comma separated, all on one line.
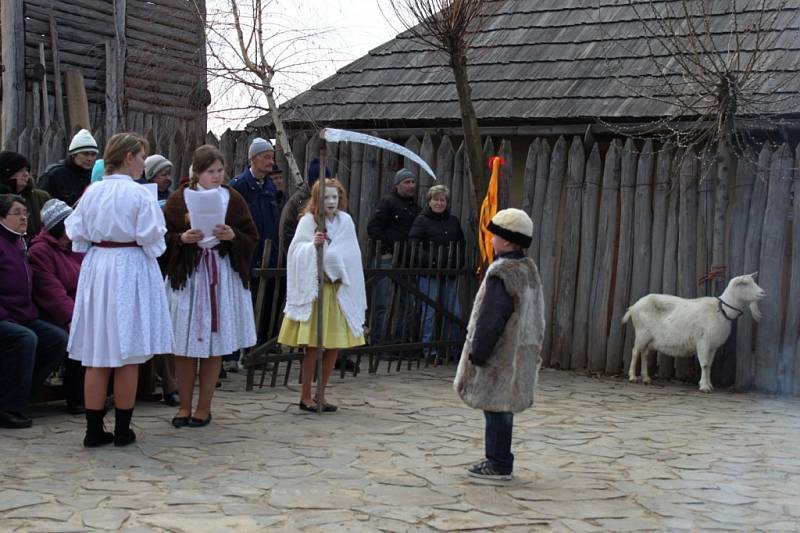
[(45, 101), (13, 60), (59, 99), (320, 274)]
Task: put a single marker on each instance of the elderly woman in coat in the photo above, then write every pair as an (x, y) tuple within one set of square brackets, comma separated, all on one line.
[(55, 281), (30, 348), (15, 178)]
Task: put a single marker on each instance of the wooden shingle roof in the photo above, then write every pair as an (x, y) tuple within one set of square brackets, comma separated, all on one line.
[(537, 61)]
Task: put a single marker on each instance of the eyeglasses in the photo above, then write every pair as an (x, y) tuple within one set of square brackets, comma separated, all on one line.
[(18, 213)]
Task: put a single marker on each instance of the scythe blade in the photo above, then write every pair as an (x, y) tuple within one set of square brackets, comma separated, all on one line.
[(334, 135)]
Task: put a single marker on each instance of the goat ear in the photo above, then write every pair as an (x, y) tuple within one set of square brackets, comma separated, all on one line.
[(754, 274)]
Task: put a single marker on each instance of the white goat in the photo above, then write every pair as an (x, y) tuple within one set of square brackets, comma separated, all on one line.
[(680, 327)]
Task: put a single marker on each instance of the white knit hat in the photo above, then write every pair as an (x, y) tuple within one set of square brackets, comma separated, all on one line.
[(53, 212), (259, 145), (83, 142), (155, 164), (514, 225)]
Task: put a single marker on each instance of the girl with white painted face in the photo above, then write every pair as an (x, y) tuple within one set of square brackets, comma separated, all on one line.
[(344, 294)]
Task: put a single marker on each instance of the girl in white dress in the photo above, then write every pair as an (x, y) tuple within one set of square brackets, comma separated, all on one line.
[(207, 286), (120, 316)]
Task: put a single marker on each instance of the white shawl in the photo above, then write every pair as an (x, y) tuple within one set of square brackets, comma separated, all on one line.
[(342, 262)]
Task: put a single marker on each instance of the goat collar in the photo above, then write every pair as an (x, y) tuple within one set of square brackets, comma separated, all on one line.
[(723, 305)]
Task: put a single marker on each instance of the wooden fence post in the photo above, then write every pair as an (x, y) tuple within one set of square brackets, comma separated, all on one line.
[(642, 239), (745, 356), (616, 336), (687, 245), (789, 364), (540, 194), (583, 292), (604, 264), (547, 245), (773, 242), (13, 61), (569, 245)]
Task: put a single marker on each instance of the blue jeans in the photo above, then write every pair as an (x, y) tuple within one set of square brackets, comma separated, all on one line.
[(449, 297), (28, 354), (498, 440), (381, 307)]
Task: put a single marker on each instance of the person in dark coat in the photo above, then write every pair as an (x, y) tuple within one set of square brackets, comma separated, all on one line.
[(261, 196), (30, 348), (437, 226), (390, 223), (15, 178), (55, 281), (68, 179), (293, 210), (158, 170), (276, 175)]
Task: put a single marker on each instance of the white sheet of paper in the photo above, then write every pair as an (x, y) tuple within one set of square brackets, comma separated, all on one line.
[(206, 210), (153, 188)]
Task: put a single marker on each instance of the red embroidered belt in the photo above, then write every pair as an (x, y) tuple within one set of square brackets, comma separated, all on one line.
[(113, 244)]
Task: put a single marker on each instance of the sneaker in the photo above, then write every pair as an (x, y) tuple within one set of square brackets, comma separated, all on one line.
[(487, 470), (231, 366)]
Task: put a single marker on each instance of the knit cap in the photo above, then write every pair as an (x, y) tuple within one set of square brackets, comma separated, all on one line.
[(83, 142), (11, 163), (313, 172), (259, 145), (155, 164), (514, 225), (402, 175), (53, 212)]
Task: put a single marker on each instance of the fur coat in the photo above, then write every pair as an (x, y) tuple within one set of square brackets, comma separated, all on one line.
[(180, 259), (507, 381)]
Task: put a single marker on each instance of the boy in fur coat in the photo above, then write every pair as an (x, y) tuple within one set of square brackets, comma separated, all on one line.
[(499, 364)]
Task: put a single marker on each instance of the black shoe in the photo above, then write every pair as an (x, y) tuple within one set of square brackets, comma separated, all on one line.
[(327, 407), (309, 408), (172, 399), (180, 421), (14, 420), (199, 422), (486, 470), (125, 437)]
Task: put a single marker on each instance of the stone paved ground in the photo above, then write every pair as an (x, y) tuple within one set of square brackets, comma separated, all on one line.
[(594, 455)]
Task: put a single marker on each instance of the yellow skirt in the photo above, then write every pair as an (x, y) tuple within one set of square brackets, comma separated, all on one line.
[(336, 332)]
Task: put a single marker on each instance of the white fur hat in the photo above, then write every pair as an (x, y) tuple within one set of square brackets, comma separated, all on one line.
[(514, 225), (83, 142)]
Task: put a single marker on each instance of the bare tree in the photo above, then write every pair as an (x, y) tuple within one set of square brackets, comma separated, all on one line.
[(718, 72), (248, 45), (449, 26)]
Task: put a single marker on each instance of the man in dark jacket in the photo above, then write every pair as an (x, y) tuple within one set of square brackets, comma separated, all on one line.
[(391, 223), (290, 214), (256, 186), (68, 179)]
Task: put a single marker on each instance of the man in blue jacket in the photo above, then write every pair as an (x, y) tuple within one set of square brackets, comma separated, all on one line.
[(258, 190), (261, 196)]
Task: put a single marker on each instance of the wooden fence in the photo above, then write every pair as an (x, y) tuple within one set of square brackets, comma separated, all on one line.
[(616, 220)]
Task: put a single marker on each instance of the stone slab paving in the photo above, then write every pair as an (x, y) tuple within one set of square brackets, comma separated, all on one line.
[(593, 455)]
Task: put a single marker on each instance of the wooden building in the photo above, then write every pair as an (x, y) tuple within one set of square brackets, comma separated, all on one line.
[(104, 65), (615, 218)]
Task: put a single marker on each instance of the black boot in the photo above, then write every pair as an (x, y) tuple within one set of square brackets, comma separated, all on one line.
[(96, 434), (123, 434)]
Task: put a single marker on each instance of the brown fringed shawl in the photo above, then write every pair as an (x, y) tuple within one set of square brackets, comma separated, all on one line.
[(181, 258)]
